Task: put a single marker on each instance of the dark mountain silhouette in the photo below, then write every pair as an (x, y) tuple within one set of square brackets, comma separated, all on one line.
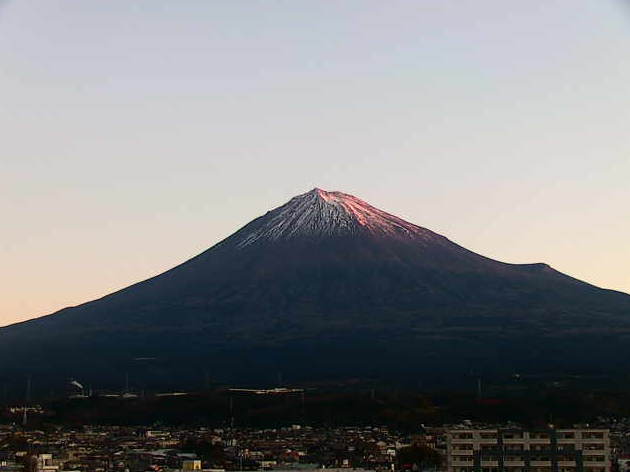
[(327, 284)]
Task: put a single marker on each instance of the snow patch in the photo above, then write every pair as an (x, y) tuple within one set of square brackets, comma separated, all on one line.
[(319, 213)]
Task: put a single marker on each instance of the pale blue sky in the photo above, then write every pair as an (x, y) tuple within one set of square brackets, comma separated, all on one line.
[(137, 134)]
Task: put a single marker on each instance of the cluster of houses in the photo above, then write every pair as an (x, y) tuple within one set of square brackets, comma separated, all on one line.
[(464, 447), (104, 449)]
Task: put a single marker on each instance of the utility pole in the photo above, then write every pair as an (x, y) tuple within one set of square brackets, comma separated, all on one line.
[(26, 400), (231, 407)]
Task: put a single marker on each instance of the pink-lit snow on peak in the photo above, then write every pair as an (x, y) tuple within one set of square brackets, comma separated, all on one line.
[(320, 213)]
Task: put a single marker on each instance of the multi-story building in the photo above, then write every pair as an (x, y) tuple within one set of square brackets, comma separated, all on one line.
[(517, 450)]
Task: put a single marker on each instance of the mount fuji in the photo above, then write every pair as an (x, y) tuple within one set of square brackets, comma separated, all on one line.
[(328, 284)]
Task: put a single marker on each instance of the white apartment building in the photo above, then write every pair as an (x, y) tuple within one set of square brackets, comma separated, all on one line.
[(517, 450)]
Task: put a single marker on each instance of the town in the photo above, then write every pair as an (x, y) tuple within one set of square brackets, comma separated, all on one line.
[(463, 447)]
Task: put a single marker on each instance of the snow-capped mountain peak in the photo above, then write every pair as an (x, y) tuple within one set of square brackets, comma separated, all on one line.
[(320, 213)]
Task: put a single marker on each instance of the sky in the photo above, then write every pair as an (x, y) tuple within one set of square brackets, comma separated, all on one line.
[(134, 135)]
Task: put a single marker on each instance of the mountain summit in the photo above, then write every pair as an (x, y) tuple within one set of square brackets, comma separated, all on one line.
[(328, 284), (319, 213)]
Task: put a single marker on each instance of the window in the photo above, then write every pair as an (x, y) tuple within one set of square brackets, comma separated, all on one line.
[(567, 435), (593, 447), (488, 435), (464, 436)]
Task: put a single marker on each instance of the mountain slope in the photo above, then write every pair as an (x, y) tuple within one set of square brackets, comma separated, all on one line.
[(328, 283)]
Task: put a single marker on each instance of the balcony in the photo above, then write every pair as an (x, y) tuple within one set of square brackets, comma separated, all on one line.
[(462, 452), (540, 441), (488, 441), (514, 441), (462, 441)]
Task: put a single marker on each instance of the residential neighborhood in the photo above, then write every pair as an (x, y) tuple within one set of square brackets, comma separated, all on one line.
[(454, 448)]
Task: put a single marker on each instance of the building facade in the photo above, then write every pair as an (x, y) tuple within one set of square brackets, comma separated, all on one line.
[(517, 450)]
